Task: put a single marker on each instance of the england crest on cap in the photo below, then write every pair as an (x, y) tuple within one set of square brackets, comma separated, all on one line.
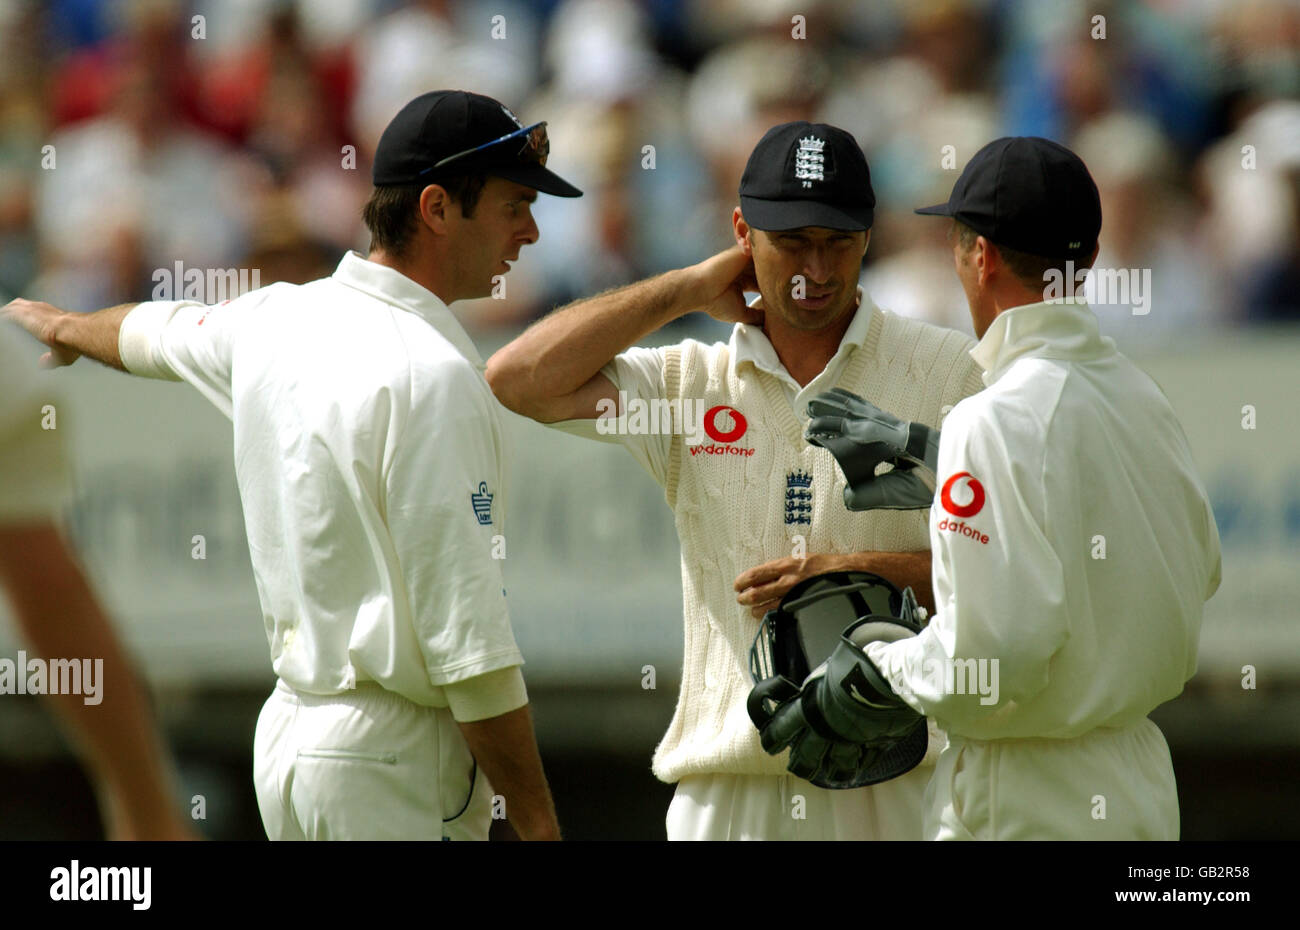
[(808, 161)]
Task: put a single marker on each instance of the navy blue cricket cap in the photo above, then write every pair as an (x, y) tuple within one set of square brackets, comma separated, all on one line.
[(1029, 194), (807, 174), (449, 132)]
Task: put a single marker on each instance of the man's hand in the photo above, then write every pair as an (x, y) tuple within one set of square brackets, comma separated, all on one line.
[(762, 587), (720, 284), (41, 320)]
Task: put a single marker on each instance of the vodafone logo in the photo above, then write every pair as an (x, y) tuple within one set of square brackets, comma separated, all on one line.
[(738, 424), (976, 502)]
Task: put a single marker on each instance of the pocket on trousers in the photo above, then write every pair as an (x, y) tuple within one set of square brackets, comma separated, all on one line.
[(349, 755), (455, 811)]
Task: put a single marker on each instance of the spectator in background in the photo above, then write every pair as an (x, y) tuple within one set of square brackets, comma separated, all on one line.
[(609, 97), (920, 113), (1243, 177), (1062, 67), (1150, 227), (1273, 294), (136, 189), (236, 78), (23, 130), (441, 43)]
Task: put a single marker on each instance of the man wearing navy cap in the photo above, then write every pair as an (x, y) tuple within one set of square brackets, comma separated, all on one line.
[(757, 509), (368, 450), (1074, 542)]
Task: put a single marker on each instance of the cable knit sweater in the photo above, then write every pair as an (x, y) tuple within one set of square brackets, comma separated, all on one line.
[(739, 502)]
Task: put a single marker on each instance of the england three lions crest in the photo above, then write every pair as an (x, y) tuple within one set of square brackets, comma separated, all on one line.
[(809, 161), (798, 497)]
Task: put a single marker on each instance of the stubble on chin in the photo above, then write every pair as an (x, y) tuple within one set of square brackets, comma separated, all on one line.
[(812, 321)]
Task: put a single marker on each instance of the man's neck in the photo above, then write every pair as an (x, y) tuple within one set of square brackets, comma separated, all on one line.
[(418, 271), (806, 353)]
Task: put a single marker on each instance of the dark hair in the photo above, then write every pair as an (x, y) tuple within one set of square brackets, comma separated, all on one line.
[(1029, 269), (390, 212)]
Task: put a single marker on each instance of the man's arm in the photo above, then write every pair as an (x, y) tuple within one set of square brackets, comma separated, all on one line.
[(61, 618), (71, 335), (762, 587), (1002, 598), (552, 371), (506, 749)]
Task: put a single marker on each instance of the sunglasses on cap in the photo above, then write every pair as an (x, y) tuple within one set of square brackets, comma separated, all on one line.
[(534, 147)]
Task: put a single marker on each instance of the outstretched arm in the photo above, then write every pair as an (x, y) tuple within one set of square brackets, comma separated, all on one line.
[(71, 335), (552, 371)]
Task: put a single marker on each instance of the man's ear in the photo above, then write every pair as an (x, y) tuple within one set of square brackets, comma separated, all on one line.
[(984, 256), (742, 231), (434, 206)]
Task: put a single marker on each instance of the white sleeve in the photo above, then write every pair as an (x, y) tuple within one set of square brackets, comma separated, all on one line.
[(444, 515), (638, 374), (999, 585), (183, 340)]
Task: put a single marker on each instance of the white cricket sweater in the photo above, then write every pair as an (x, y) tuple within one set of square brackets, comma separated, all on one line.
[(741, 496)]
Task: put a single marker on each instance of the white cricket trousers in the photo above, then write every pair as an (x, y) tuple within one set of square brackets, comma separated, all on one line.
[(783, 807), (1109, 784), (365, 765)]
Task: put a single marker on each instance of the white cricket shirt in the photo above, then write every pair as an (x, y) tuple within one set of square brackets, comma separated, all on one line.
[(1072, 541), (369, 455)]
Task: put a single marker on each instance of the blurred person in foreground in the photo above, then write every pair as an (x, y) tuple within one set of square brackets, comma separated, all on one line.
[(750, 497), (369, 456), (59, 615)]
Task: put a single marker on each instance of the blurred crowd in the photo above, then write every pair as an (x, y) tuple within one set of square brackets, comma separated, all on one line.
[(237, 134)]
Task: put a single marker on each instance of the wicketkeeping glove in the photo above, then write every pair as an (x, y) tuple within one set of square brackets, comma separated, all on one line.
[(847, 698), (860, 435), (825, 761)]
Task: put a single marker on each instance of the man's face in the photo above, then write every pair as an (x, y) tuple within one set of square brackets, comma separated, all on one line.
[(483, 245), (808, 276)]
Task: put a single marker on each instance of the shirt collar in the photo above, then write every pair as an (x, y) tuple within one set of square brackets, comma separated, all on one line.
[(393, 287), (1041, 330), (750, 344)]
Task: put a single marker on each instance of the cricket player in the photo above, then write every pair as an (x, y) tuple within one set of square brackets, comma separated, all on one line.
[(368, 450), (757, 509), (61, 618), (1075, 545)]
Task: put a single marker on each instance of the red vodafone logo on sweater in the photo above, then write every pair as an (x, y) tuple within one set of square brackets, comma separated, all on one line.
[(962, 510), (738, 421)]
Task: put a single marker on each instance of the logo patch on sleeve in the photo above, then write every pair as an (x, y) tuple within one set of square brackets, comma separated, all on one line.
[(975, 491), (482, 504), (972, 506)]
